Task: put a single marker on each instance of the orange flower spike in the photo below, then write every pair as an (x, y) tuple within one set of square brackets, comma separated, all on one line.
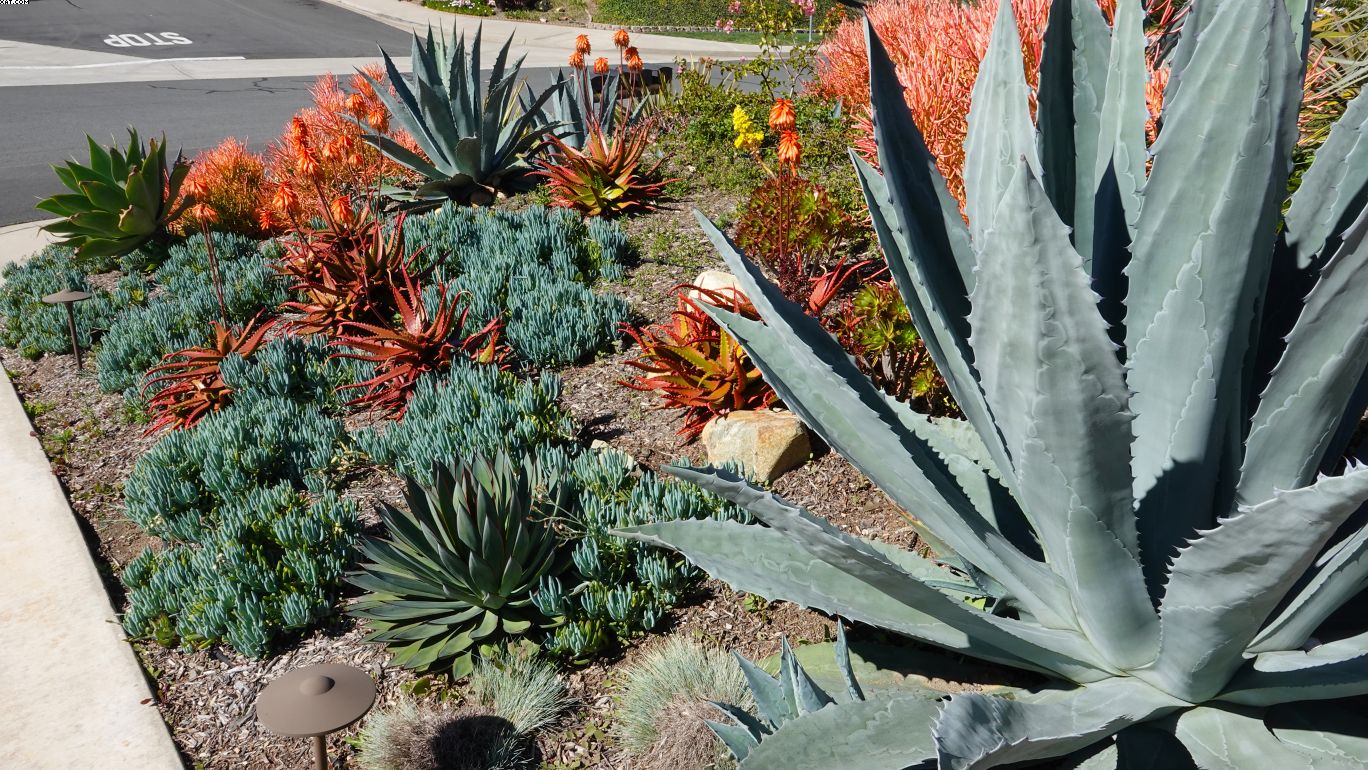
[(356, 104), (790, 149), (332, 150), (355, 160), (633, 57), (378, 119), (601, 66), (306, 165), (577, 60), (299, 131), (782, 117), (621, 39), (285, 198), (582, 45), (341, 209)]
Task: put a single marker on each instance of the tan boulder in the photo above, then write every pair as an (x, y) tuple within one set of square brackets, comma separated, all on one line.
[(766, 443), (714, 280)]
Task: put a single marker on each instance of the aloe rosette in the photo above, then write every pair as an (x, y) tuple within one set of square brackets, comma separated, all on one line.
[(119, 202), (1160, 367)]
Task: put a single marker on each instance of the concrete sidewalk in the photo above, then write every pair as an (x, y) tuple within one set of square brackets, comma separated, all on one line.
[(19, 242), (73, 693), (546, 45)]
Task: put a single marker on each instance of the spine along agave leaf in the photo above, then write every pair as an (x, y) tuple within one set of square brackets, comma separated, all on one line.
[(120, 201), (459, 569), (477, 142), (1158, 371)]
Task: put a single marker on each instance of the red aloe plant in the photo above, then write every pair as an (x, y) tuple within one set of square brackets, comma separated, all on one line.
[(422, 342), (697, 367), (194, 385), (345, 273), (606, 177)]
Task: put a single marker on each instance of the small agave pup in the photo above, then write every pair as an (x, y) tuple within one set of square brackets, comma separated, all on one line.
[(1159, 372)]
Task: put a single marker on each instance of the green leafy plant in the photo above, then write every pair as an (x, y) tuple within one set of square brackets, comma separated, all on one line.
[(795, 228), (876, 327), (119, 202), (460, 567), (1177, 541), (478, 143)]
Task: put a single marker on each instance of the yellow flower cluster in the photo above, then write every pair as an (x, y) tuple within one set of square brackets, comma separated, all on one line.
[(748, 136)]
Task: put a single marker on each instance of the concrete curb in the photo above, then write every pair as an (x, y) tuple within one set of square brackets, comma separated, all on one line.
[(73, 692), (21, 241)]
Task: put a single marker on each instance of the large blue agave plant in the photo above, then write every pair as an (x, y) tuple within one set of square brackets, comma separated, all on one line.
[(1160, 371)]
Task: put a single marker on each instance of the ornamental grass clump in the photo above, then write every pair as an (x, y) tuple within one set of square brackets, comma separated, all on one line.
[(1160, 368)]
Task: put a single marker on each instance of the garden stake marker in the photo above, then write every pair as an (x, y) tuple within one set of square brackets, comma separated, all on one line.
[(314, 701), (69, 297)]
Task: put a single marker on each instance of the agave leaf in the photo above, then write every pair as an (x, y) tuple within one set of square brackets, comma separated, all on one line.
[(1215, 187), (404, 107), (436, 113), (1338, 575), (1333, 188), (402, 155), (859, 424), (1000, 131), (1334, 670), (1073, 80), (1051, 649), (768, 692), (843, 663), (144, 194), (762, 561), (1324, 361), (934, 225), (883, 733), (913, 258), (135, 221), (980, 731), (1224, 740), (106, 247), (1121, 135), (737, 739), (1223, 586), (1323, 728), (1051, 376)]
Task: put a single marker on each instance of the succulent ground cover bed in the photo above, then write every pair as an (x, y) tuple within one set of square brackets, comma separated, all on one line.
[(206, 696), (968, 451)]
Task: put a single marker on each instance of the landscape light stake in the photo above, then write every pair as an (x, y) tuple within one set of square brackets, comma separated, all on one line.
[(70, 297), (313, 701)]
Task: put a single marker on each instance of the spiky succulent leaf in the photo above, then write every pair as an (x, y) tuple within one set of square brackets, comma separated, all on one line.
[(479, 137), (460, 567)]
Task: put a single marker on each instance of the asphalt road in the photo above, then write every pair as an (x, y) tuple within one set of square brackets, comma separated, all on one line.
[(43, 125), (254, 29), (47, 125)]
